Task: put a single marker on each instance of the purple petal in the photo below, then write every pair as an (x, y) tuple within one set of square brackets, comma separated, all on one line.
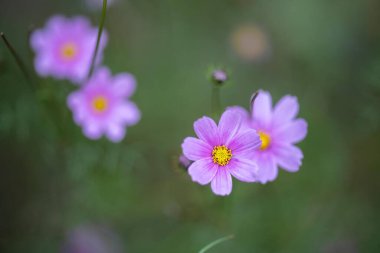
[(43, 65), (127, 113), (80, 24), (55, 24), (92, 130), (195, 149), (293, 132), (37, 40), (243, 169), (102, 75), (289, 157), (206, 130), (77, 106), (203, 171), (286, 109), (245, 142), (115, 132), (124, 84), (268, 170), (221, 184), (229, 125), (243, 114), (262, 109)]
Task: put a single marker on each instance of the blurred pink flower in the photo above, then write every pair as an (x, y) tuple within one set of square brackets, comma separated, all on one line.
[(221, 151), (279, 130), (64, 48), (91, 238), (250, 43), (101, 106)]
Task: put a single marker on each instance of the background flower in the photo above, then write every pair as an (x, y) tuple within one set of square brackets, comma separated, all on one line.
[(101, 106), (250, 42), (92, 238), (65, 46), (221, 151), (279, 130)]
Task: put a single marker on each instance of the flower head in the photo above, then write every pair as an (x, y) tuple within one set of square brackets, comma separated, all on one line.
[(279, 130), (101, 106), (64, 48), (219, 76), (221, 151)]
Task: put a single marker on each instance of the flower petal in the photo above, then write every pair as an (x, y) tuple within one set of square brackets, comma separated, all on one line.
[(124, 84), (293, 132), (245, 142), (221, 184), (289, 157), (229, 125), (127, 113), (37, 40), (115, 132), (243, 169), (206, 130), (262, 109), (286, 109), (243, 114), (92, 130), (268, 170), (203, 171), (195, 149)]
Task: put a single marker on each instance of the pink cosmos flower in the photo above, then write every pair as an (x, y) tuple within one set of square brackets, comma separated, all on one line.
[(279, 130), (221, 151), (101, 106), (64, 48)]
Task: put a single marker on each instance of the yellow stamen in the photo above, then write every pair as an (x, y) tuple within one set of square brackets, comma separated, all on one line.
[(100, 104), (265, 140), (221, 155), (68, 51)]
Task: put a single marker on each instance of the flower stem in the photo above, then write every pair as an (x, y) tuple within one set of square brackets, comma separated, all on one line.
[(19, 62), (212, 244), (215, 101), (100, 31)]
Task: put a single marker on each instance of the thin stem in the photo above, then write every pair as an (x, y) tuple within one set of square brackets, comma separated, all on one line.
[(215, 100), (100, 32), (19, 62), (212, 244)]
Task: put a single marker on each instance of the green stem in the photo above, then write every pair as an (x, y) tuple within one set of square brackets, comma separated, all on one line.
[(100, 32), (212, 244), (215, 101), (19, 62)]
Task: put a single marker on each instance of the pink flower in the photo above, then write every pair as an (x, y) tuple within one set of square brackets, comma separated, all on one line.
[(279, 130), (221, 151), (101, 106), (64, 48)]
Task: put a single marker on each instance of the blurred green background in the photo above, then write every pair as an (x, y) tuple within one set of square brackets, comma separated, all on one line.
[(327, 53)]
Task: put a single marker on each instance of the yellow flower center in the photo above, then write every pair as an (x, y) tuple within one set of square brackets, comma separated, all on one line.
[(100, 104), (265, 140), (68, 51), (221, 155)]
